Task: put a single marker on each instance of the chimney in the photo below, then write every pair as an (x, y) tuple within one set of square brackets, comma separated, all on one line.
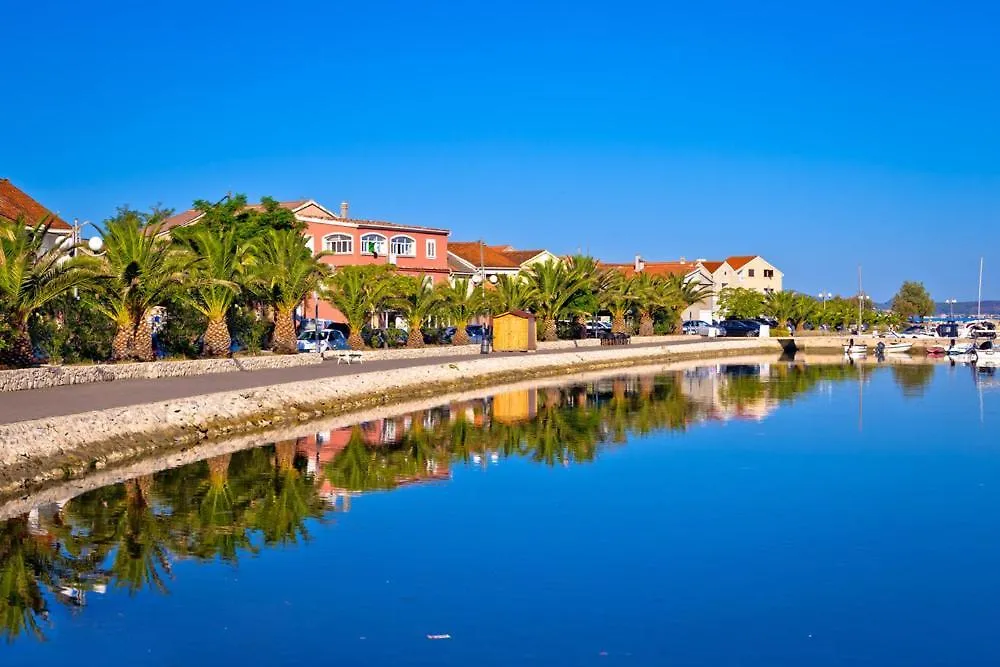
[(639, 264), (344, 208), (682, 259)]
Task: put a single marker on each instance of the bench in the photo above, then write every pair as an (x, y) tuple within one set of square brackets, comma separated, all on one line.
[(349, 356)]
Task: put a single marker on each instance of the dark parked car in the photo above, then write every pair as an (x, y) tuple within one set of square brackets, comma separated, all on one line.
[(740, 328), (475, 332)]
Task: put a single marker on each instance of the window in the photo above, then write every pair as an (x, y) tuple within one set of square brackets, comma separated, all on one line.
[(403, 246), (432, 248), (750, 273), (768, 273), (373, 243), (339, 244)]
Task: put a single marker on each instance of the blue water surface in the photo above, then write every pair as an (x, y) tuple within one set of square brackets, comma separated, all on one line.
[(856, 522)]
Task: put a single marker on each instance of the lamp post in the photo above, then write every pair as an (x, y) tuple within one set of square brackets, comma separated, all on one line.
[(94, 243), (951, 307), (824, 297)]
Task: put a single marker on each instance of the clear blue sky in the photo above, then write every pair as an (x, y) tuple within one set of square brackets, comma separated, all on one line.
[(820, 135)]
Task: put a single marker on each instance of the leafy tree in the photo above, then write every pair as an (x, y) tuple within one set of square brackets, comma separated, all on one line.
[(138, 271), (70, 330), (359, 292), (419, 299), (218, 269), (912, 300), (551, 285), (247, 223), (740, 302), (584, 302), (287, 272), (32, 275)]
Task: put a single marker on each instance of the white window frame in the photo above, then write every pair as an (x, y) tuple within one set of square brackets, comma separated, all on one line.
[(430, 248), (330, 239), (394, 245), (381, 243)]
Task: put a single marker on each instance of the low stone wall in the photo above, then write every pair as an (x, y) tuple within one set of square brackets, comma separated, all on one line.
[(432, 351), (57, 376), (75, 443)]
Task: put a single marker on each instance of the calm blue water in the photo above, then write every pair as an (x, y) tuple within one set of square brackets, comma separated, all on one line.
[(730, 516)]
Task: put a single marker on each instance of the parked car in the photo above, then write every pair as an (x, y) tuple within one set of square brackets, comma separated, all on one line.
[(336, 340), (740, 328), (711, 330), (598, 329), (308, 341), (475, 332), (690, 327)]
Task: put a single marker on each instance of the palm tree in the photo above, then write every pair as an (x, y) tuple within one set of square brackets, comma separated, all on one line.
[(461, 301), (358, 292), (219, 264), (618, 298), (286, 273), (25, 564), (138, 271), (782, 306), (584, 303), (688, 291), (551, 285), (32, 274), (651, 295), (510, 293), (420, 298)]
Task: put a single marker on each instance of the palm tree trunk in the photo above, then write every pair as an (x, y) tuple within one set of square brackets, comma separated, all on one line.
[(19, 354), (217, 339), (355, 340), (142, 343), (461, 336), (283, 341), (549, 331), (415, 337), (618, 322), (121, 345), (645, 323)]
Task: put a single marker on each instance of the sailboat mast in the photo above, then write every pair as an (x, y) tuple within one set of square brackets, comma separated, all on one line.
[(979, 301), (861, 299)]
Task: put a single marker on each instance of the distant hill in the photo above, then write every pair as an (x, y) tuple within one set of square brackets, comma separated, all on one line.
[(967, 308), (961, 309)]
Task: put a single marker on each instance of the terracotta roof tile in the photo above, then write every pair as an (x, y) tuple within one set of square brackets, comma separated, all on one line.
[(739, 261), (475, 252), (522, 256), (14, 203), (712, 267)]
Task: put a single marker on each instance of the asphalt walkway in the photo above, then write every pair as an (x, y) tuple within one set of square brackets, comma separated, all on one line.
[(73, 399)]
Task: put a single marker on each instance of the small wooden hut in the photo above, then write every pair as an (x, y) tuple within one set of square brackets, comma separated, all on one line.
[(514, 331)]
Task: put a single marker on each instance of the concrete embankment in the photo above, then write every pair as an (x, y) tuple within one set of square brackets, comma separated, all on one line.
[(41, 450)]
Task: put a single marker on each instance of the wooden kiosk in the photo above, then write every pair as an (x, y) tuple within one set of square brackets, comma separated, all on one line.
[(514, 331)]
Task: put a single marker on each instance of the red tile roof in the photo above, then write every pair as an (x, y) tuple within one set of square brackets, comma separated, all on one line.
[(522, 256), (712, 267), (14, 203), (654, 268), (475, 253), (738, 262)]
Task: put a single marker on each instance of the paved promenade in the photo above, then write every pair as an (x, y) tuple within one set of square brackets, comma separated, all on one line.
[(74, 399)]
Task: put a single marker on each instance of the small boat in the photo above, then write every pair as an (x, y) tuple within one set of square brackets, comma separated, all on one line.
[(986, 355), (898, 347), (855, 348)]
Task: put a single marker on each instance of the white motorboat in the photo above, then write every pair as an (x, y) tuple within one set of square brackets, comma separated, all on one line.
[(855, 348)]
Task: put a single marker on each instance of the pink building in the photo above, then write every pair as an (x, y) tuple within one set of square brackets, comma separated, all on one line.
[(412, 249)]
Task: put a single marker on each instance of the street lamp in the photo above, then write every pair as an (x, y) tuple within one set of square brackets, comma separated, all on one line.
[(951, 307), (94, 243), (825, 296)]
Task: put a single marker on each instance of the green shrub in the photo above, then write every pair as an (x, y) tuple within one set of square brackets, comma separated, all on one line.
[(180, 331), (249, 328), (72, 331)]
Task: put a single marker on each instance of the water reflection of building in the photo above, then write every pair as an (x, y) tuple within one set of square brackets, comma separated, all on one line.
[(730, 391)]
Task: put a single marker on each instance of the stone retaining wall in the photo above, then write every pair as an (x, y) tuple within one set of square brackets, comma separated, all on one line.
[(57, 376), (432, 351), (75, 442)]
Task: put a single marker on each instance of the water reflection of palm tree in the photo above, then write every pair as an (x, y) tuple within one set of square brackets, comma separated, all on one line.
[(25, 564), (290, 499), (141, 537)]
